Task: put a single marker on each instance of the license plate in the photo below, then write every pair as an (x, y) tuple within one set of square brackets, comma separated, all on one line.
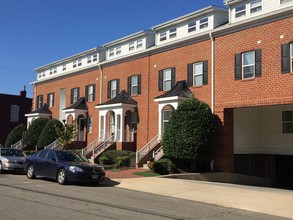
[(95, 176)]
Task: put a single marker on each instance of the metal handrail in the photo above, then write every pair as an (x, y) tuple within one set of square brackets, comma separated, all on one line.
[(18, 145), (147, 148), (54, 145), (158, 154), (89, 148)]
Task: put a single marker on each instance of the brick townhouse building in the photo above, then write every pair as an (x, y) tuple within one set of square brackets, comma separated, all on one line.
[(236, 58), (13, 109)]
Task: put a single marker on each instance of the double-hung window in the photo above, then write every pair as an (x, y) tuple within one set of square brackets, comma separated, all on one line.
[(131, 46), (64, 67), (197, 73), (90, 124), (39, 101), (287, 57), (255, 6), (74, 95), (79, 62), (287, 122), (139, 44), (90, 93), (89, 59), (240, 11), (113, 88), (248, 65), (111, 52), (134, 84), (172, 33), (166, 79), (50, 99), (163, 36), (118, 50), (74, 64), (51, 71), (14, 113), (203, 23), (134, 121), (95, 57), (191, 26), (166, 117)]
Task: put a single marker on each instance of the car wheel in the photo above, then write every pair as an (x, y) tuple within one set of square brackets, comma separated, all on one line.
[(30, 172), (1, 168), (61, 177)]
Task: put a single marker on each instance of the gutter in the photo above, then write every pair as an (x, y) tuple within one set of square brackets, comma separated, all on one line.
[(213, 72)]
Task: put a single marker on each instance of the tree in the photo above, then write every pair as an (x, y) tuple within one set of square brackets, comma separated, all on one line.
[(66, 133), (32, 134), (189, 133), (49, 134), (15, 135)]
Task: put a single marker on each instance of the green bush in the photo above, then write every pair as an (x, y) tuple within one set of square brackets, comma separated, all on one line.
[(123, 161), (164, 166), (104, 161), (32, 134), (112, 156), (48, 134), (15, 135)]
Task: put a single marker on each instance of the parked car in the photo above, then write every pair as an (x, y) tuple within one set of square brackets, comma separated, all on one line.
[(63, 166), (11, 159)]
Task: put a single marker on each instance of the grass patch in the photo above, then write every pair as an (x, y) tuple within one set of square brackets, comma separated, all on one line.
[(146, 173)]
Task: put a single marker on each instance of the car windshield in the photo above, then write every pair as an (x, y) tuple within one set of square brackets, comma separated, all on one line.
[(68, 156), (12, 153)]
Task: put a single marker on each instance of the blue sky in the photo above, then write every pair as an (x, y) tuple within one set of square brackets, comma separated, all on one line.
[(34, 33)]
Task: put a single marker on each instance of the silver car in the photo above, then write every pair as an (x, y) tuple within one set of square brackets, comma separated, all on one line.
[(11, 159)]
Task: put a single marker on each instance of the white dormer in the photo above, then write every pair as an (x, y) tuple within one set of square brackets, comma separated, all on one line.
[(191, 24), (71, 64), (130, 44), (243, 9)]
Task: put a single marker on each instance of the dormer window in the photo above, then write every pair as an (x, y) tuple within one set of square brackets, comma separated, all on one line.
[(89, 59), (203, 23), (163, 36), (51, 71), (64, 67), (285, 1), (55, 70), (240, 11), (131, 46), (111, 52), (139, 44), (255, 6), (118, 50), (191, 26), (79, 63), (173, 33), (74, 64), (95, 57)]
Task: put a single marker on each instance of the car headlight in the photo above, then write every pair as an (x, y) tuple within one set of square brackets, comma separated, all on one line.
[(75, 169), (8, 161)]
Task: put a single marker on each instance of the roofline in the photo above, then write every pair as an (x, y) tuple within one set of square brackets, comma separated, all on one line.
[(95, 49), (230, 2), (129, 37), (197, 13)]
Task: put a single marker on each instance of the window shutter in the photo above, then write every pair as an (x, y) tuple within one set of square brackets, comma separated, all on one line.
[(173, 70), (258, 63), (129, 85), (94, 92), (48, 99), (109, 90), (71, 96), (160, 82), (205, 72), (285, 58), (190, 74), (86, 93), (139, 84), (118, 86), (238, 75)]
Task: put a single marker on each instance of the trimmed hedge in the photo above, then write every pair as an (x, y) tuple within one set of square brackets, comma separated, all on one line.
[(15, 135), (111, 157), (164, 166)]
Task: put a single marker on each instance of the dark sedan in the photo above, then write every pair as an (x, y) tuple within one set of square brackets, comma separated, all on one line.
[(63, 166)]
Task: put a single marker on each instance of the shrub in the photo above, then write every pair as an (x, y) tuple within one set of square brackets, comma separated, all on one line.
[(123, 161), (164, 166), (112, 156), (32, 134), (15, 135), (104, 161), (48, 134)]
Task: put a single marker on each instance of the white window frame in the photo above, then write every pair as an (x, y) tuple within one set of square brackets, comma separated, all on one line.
[(74, 64), (89, 59), (51, 71), (134, 85), (163, 36), (133, 121), (291, 57), (79, 62), (248, 65), (118, 50), (131, 46), (113, 88), (165, 121), (285, 121), (138, 44), (90, 124), (112, 123), (239, 12), (51, 100), (255, 6), (14, 113), (111, 52), (75, 95), (191, 26), (172, 33), (95, 57), (91, 93), (167, 79), (64, 67), (203, 23), (197, 74), (285, 1), (39, 101)]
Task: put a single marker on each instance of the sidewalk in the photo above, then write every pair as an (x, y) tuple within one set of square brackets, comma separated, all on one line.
[(277, 202)]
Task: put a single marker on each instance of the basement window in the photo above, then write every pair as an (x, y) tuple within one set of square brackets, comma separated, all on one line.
[(287, 122)]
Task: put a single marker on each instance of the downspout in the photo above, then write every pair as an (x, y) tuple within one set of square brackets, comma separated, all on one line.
[(101, 82), (212, 74)]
